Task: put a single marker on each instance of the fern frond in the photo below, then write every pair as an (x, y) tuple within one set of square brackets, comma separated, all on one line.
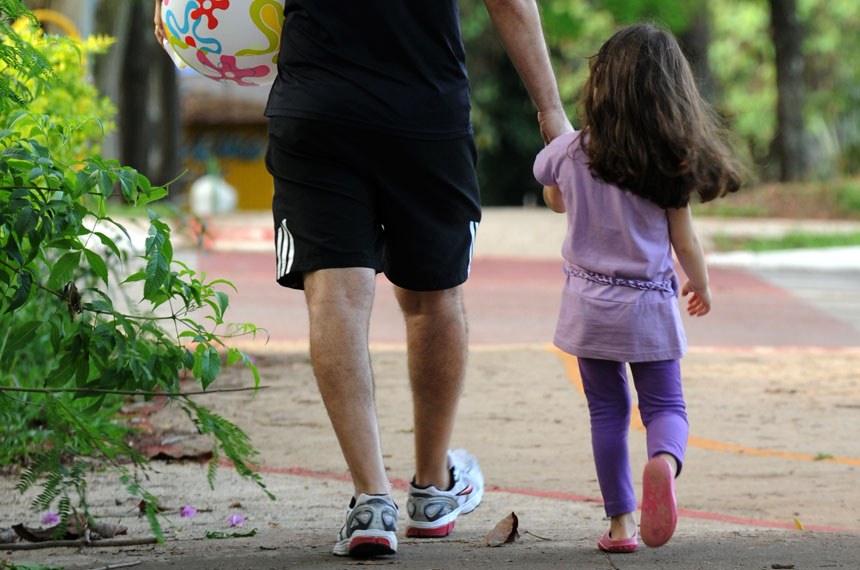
[(43, 462)]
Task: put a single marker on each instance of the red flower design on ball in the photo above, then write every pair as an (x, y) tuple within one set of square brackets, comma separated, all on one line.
[(207, 8), (228, 70)]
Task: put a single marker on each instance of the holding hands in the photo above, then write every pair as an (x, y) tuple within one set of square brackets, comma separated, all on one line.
[(553, 123)]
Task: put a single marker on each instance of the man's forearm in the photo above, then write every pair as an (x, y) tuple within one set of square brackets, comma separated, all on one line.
[(519, 27)]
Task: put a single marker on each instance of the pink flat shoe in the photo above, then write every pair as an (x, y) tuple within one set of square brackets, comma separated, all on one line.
[(620, 546), (659, 511)]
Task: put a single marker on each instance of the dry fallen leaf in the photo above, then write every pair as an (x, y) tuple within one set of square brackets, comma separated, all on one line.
[(504, 532), (107, 530), (77, 526), (798, 524)]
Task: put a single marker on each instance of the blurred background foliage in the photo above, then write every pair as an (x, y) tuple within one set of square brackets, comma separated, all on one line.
[(780, 72), (731, 44)]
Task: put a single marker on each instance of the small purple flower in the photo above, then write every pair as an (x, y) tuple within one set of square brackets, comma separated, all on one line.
[(188, 511), (50, 518), (236, 520)]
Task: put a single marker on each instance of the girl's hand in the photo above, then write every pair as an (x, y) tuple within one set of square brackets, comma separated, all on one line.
[(699, 303)]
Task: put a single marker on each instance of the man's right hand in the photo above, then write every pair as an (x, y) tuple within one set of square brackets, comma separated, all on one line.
[(553, 123), (160, 34)]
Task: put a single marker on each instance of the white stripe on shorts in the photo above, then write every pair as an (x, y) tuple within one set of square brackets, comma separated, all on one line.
[(473, 229), (285, 249)]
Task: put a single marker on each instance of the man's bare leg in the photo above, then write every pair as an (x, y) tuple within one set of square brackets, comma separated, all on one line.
[(339, 305), (437, 350)]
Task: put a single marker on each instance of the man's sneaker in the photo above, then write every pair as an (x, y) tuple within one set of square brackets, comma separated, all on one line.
[(432, 512), (370, 527)]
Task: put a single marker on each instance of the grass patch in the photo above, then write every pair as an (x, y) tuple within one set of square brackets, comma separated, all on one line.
[(848, 198), (792, 240)]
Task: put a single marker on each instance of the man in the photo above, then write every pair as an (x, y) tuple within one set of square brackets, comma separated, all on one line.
[(371, 150)]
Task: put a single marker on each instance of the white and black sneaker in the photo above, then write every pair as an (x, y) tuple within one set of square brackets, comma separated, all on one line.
[(370, 527), (431, 512)]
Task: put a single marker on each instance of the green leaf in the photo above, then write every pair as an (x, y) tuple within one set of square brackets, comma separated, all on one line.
[(105, 183), (22, 293), (234, 355), (188, 360), (108, 243), (96, 406), (207, 364), (128, 184), (254, 371), (19, 338), (157, 274), (138, 276), (223, 302), (159, 254), (97, 264), (152, 194), (64, 269), (25, 221), (62, 373)]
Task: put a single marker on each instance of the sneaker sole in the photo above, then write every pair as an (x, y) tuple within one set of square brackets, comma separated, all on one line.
[(444, 526), (434, 532), (366, 546)]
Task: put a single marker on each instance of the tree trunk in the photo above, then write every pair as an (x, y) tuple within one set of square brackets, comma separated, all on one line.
[(696, 40), (790, 142), (169, 161), (134, 87)]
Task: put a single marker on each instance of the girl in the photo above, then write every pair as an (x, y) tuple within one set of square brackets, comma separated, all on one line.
[(648, 142)]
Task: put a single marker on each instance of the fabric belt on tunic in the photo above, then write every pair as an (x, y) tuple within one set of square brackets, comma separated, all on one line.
[(574, 271)]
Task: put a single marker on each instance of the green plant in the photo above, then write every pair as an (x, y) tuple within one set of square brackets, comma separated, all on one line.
[(82, 324), (848, 198), (791, 240), (800, 240)]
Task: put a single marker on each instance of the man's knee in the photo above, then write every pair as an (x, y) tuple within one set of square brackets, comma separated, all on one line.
[(340, 294), (414, 303)]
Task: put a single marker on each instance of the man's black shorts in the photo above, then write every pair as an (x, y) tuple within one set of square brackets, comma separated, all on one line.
[(347, 197)]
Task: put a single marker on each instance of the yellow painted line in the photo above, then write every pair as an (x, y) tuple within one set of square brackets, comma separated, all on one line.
[(572, 370)]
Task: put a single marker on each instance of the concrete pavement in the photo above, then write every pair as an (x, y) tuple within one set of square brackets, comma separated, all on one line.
[(783, 312)]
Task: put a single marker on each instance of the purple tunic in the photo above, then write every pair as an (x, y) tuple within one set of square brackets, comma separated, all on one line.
[(620, 296)]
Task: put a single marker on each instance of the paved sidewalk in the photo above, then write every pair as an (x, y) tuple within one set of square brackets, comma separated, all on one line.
[(530, 431), (555, 534), (770, 455), (520, 247)]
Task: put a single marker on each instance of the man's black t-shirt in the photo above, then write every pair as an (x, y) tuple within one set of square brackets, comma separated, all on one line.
[(390, 65)]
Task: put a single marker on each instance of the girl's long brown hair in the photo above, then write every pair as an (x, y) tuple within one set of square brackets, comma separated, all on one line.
[(645, 126)]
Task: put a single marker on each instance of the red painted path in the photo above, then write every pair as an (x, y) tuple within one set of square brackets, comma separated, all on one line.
[(515, 301)]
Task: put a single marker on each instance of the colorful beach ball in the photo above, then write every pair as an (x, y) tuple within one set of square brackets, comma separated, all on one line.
[(234, 41)]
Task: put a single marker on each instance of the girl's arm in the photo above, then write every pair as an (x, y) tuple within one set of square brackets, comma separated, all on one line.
[(691, 256), (553, 198)]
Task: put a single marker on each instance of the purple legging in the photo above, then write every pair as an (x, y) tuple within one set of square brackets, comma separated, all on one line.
[(661, 407)]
